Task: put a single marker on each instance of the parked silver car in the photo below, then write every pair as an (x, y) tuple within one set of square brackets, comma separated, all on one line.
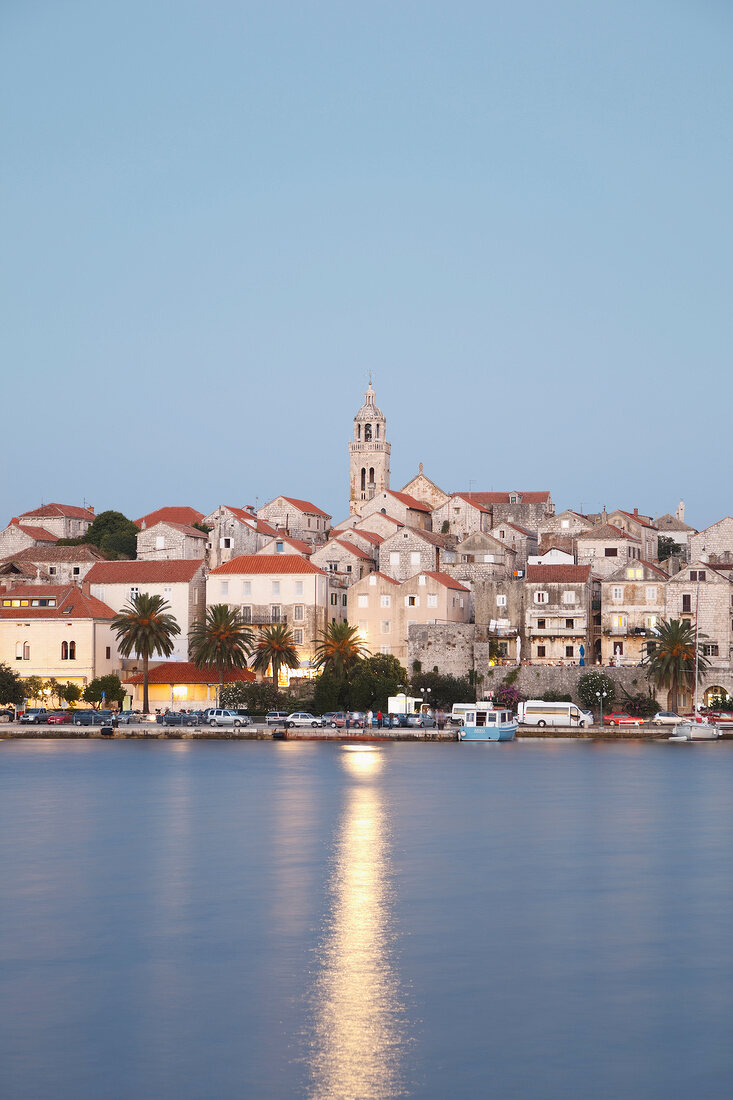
[(218, 716), (302, 718)]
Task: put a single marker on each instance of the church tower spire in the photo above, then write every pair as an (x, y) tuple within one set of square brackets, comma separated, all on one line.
[(368, 453)]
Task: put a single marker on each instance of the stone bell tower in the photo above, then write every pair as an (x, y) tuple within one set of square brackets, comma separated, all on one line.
[(368, 453)]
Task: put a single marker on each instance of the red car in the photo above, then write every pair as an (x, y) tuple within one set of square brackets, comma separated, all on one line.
[(56, 719), (621, 719)]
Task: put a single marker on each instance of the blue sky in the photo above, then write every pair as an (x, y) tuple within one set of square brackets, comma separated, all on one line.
[(218, 217)]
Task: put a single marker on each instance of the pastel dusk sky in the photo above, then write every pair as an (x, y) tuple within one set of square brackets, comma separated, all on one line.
[(218, 217)]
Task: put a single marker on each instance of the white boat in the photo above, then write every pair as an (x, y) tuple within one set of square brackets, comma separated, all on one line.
[(695, 731), (484, 724)]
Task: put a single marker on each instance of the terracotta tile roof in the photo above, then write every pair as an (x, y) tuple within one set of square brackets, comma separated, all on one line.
[(143, 572), (267, 563), (241, 513), (382, 576), (300, 545), (503, 498), (185, 672), (21, 568), (408, 501), (183, 514), (668, 522), (305, 506), (70, 511), (474, 503), (40, 534), (637, 518), (71, 603), (655, 568), (370, 536), (352, 548), (558, 574), (85, 552), (263, 527), (446, 580), (382, 515), (192, 532), (442, 541), (605, 532), (522, 530)]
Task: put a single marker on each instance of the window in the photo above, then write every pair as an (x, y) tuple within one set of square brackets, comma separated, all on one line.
[(651, 595), (64, 651), (710, 649), (697, 575), (650, 622), (276, 588), (246, 613), (570, 624), (501, 534), (540, 651), (26, 651), (617, 592), (134, 593), (432, 599), (385, 600), (167, 593), (298, 588), (223, 588), (298, 637), (386, 626), (362, 601), (635, 574), (385, 649), (422, 579), (298, 612), (160, 542), (564, 523), (568, 651), (348, 568), (619, 623), (611, 552), (72, 651), (279, 547), (19, 651), (76, 571), (540, 597), (225, 544), (246, 588), (541, 624), (52, 570), (275, 612), (687, 602), (412, 601), (344, 600), (568, 597), (415, 557), (108, 653), (335, 599), (501, 601), (394, 559)]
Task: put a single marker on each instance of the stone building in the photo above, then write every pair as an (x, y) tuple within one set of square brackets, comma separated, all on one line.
[(561, 531), (59, 632), (19, 536), (182, 514), (426, 491), (63, 521), (633, 600), (52, 564), (639, 527), (462, 516), (180, 583), (298, 518), (517, 538), (560, 601), (409, 551), (168, 541), (283, 544), (369, 454), (235, 531), (384, 610), (346, 558), (674, 527), (527, 508), (406, 509), (606, 548), (181, 685), (714, 543), (702, 594)]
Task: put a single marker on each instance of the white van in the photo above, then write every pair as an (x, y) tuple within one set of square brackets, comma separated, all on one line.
[(458, 713), (535, 712)]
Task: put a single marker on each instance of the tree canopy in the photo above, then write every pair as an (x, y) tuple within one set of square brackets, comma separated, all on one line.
[(145, 627), (670, 659), (113, 534), (104, 688), (221, 639), (275, 647), (12, 691)]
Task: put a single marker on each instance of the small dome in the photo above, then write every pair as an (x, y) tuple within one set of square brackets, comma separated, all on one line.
[(369, 410)]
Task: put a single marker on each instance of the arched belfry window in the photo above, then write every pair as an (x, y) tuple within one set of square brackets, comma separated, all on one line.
[(363, 479), (72, 651), (377, 431), (367, 433), (371, 475), (64, 651), (358, 431)]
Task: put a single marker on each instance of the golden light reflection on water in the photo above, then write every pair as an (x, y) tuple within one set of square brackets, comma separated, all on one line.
[(359, 1028)]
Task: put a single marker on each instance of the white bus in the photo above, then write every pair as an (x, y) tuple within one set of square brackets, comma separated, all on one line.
[(535, 712)]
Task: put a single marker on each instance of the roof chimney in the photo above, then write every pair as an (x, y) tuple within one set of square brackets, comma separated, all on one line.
[(636, 511), (90, 508)]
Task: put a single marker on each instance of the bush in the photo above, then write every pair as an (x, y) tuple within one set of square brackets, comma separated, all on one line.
[(257, 698), (508, 696), (108, 688), (11, 687), (555, 697), (640, 705), (590, 683)]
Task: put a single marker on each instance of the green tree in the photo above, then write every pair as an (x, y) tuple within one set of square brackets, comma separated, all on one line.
[(590, 684), (667, 547), (114, 534), (72, 693), (331, 692), (445, 690), (145, 627), (32, 687), (257, 697), (12, 690), (275, 647), (221, 639), (339, 647), (54, 690), (670, 659), (107, 689), (373, 679)]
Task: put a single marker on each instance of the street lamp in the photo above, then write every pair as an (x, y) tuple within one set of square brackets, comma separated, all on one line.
[(600, 696)]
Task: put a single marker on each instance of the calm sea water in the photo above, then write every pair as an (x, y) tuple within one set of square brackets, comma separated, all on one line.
[(533, 920)]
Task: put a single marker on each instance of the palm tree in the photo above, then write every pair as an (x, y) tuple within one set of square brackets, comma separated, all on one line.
[(144, 627), (221, 638), (339, 647), (275, 646), (670, 663)]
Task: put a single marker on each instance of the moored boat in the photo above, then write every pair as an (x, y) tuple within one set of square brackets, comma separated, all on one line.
[(694, 731), (488, 725)]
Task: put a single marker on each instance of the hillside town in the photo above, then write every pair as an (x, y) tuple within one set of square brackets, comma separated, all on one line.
[(459, 581)]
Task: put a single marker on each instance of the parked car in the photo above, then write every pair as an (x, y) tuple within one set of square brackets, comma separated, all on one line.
[(666, 718), (180, 718), (421, 721), (303, 718), (58, 718), (587, 717), (34, 715), (220, 716), (92, 717), (329, 716), (621, 719), (396, 721), (355, 719), (7, 715), (721, 718), (276, 717)]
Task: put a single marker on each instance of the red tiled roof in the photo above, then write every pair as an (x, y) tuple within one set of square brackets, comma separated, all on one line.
[(474, 503), (636, 518), (445, 579), (143, 572), (241, 513), (381, 515), (603, 532), (305, 506), (503, 498), (183, 514), (375, 540), (300, 545), (558, 574), (382, 576), (71, 603), (265, 528), (408, 501), (267, 563), (522, 530), (185, 672), (84, 552), (656, 568), (68, 510), (352, 548), (40, 534)]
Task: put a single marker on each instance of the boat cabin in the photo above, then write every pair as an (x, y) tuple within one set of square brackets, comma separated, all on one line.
[(487, 717)]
